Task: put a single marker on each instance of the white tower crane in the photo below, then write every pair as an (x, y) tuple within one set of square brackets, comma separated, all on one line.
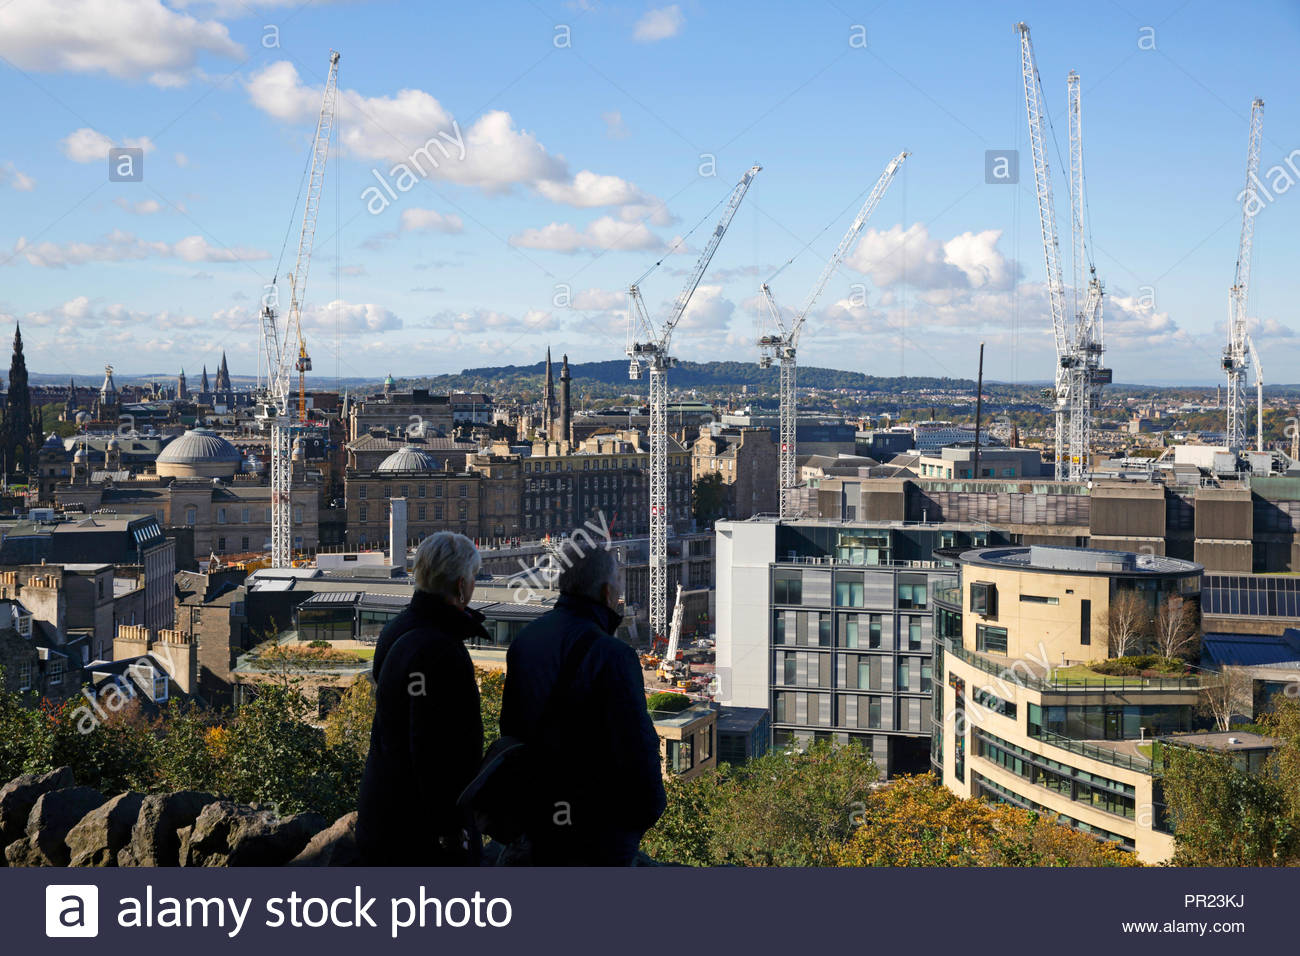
[(648, 345), (284, 356), (781, 341), (1236, 356), (1078, 374)]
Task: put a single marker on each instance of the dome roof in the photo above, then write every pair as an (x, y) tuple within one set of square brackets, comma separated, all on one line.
[(410, 458), (199, 446)]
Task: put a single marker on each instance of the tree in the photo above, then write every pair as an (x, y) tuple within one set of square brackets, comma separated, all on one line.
[(916, 821), (787, 808), (1225, 694), (1127, 623), (491, 684), (709, 499), (1175, 627), (1223, 815), (348, 724)]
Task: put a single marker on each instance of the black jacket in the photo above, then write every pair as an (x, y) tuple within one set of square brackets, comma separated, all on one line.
[(605, 788), (427, 739)]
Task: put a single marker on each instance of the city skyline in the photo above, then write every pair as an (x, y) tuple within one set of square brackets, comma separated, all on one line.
[(563, 159)]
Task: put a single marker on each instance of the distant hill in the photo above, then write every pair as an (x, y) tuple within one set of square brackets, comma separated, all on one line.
[(691, 375)]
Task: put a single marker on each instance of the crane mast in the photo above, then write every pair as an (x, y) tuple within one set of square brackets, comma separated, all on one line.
[(284, 356), (1236, 356), (650, 347), (781, 342), (1078, 375)]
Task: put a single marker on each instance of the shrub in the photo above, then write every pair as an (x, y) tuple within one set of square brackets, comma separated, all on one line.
[(667, 702)]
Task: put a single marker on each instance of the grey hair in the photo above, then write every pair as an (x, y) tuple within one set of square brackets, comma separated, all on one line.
[(585, 568), (442, 560)]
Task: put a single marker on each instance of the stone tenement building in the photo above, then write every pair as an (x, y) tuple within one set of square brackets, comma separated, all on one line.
[(500, 494), (566, 486), (437, 499), (197, 487), (747, 459), (397, 412)]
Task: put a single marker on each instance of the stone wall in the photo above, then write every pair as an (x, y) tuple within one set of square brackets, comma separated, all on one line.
[(47, 820)]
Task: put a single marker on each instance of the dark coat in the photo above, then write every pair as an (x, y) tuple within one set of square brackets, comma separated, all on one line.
[(605, 788), (427, 739)]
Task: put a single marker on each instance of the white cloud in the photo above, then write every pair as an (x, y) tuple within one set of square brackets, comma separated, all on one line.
[(1271, 329), (489, 320), (143, 207), (412, 134), (659, 24), (602, 234), (709, 310), (599, 300), (428, 220), (587, 189), (615, 128), (127, 39), (351, 317), (119, 246), (181, 160), (86, 145), (897, 256), (16, 178), (1134, 322)]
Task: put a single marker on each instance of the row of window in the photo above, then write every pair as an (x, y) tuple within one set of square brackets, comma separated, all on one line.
[(857, 671), (421, 512), (223, 516), (991, 790), (598, 464), (1109, 721), (1077, 785), (851, 711), (404, 491), (797, 587), (856, 631)]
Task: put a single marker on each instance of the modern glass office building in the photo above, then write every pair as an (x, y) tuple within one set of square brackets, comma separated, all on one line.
[(829, 626)]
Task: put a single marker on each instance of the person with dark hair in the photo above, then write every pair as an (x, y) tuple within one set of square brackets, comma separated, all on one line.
[(427, 738), (575, 692)]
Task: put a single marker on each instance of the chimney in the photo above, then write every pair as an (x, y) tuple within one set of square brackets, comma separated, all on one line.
[(397, 533), (178, 654), (132, 640)]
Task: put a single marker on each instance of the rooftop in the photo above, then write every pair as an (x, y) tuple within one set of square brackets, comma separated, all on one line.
[(1079, 560)]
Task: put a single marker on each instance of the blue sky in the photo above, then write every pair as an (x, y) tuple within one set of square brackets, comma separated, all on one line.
[(584, 126)]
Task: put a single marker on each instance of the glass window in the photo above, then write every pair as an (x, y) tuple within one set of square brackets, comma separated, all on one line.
[(926, 680), (904, 673), (787, 587), (790, 670), (848, 590), (992, 640), (824, 630), (849, 630), (913, 633), (874, 628)]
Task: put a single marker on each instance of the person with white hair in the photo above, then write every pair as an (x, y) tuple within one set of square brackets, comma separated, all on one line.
[(427, 737)]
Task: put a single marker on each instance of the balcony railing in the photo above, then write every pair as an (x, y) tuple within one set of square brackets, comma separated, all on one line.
[(1104, 754), (1009, 673)]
